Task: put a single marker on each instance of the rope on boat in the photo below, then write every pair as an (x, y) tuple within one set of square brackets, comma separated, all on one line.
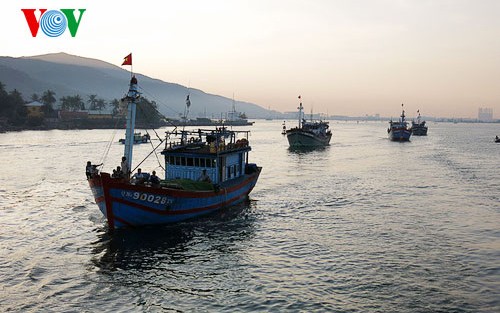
[(156, 154), (110, 142), (148, 157)]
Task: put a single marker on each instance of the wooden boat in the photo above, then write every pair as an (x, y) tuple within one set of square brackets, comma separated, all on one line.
[(418, 127), (398, 131), (308, 134), (220, 153)]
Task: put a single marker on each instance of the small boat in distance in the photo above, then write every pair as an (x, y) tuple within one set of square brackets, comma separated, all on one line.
[(205, 171), (418, 127), (308, 134), (497, 140), (234, 118), (138, 138), (398, 131)]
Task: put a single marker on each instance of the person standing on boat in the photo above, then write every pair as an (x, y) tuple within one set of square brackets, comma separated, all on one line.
[(139, 177), (125, 169), (91, 170), (88, 170), (154, 180), (204, 177)]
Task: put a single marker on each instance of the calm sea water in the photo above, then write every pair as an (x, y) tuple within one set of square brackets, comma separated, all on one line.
[(365, 225)]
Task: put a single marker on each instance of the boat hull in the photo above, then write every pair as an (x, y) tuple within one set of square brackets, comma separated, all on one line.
[(127, 205), (399, 134), (419, 131), (301, 139)]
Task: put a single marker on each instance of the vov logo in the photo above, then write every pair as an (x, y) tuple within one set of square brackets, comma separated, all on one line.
[(54, 22)]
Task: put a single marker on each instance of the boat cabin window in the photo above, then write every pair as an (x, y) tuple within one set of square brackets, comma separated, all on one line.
[(196, 162)]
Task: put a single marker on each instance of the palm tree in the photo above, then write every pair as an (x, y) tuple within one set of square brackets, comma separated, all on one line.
[(100, 104), (92, 102), (48, 99), (116, 106), (35, 97)]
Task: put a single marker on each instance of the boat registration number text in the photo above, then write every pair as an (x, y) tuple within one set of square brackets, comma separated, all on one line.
[(141, 196)]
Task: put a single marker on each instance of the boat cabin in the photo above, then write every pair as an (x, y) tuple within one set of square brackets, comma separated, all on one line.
[(216, 151)]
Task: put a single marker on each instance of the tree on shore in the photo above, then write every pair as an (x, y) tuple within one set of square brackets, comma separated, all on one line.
[(147, 112), (72, 103), (92, 102), (48, 99), (12, 106), (35, 97), (100, 104), (115, 104), (96, 103)]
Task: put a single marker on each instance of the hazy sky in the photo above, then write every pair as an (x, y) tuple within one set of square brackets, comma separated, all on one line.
[(344, 57)]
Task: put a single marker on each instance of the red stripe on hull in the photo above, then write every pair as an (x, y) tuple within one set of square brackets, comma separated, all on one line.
[(179, 212), (107, 183)]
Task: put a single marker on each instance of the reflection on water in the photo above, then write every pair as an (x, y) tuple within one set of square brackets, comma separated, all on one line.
[(363, 225), (145, 247), (305, 150)]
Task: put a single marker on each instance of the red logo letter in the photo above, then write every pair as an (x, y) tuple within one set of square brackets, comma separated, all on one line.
[(31, 19)]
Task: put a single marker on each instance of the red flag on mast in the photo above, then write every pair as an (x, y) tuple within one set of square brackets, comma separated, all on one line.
[(127, 60)]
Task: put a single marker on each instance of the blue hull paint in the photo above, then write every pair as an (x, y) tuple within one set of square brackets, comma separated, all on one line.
[(126, 205), (399, 135)]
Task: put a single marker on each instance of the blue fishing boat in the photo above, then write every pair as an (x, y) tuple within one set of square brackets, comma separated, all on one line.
[(398, 131), (308, 134), (418, 127), (205, 170)]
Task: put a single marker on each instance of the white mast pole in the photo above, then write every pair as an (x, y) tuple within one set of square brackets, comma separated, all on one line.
[(300, 112), (132, 95)]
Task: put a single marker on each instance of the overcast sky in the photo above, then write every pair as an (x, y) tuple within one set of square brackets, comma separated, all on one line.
[(350, 57)]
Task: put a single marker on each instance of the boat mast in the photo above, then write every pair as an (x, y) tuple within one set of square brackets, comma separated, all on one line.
[(402, 114), (300, 108), (132, 96)]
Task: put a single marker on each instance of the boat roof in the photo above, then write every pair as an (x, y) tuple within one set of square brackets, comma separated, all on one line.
[(191, 142)]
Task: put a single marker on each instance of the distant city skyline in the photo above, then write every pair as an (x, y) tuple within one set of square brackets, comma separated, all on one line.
[(343, 57)]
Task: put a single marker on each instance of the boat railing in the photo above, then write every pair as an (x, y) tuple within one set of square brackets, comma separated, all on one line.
[(214, 146)]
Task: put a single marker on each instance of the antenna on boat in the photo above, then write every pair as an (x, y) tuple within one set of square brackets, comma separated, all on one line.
[(300, 108)]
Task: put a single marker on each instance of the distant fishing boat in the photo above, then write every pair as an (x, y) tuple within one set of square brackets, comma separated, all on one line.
[(398, 131), (308, 134), (418, 127), (205, 170), (138, 138), (234, 118), (497, 139)]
